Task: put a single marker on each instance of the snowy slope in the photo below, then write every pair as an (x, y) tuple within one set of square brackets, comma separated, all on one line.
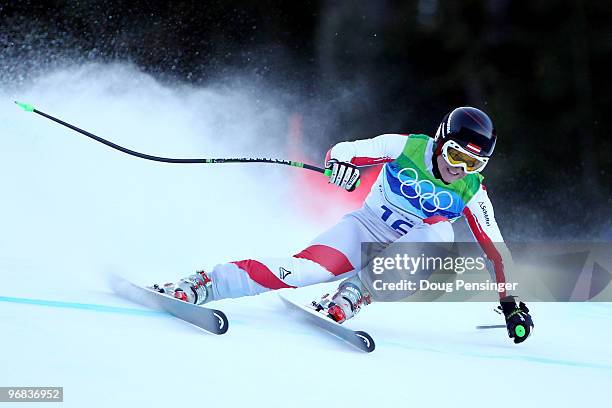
[(73, 210)]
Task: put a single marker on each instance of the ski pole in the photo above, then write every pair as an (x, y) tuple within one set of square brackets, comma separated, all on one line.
[(30, 108), (492, 326)]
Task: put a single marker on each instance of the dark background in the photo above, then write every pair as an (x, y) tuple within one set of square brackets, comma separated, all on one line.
[(539, 68)]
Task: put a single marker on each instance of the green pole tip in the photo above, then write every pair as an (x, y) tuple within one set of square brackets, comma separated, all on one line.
[(328, 172), (25, 106)]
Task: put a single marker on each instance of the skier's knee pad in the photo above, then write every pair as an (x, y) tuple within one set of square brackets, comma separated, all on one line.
[(443, 230), (439, 231)]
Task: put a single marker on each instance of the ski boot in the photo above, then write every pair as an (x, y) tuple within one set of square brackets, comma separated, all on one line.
[(344, 304), (196, 289)]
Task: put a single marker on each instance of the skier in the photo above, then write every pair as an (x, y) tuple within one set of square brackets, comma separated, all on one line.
[(397, 209)]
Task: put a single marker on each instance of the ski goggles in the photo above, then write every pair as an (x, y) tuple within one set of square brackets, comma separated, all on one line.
[(456, 155)]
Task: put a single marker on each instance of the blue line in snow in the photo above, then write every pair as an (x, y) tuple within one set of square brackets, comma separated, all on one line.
[(93, 307), (143, 312), (518, 357), (83, 306)]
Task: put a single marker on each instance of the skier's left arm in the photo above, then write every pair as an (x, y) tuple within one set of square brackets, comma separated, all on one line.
[(481, 220)]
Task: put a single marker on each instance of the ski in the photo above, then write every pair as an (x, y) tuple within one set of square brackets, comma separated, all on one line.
[(212, 320), (360, 339)]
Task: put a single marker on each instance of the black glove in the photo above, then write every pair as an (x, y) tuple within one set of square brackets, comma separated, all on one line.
[(518, 320), (344, 175)]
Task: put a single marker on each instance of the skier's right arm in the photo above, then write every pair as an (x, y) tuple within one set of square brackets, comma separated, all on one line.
[(344, 158)]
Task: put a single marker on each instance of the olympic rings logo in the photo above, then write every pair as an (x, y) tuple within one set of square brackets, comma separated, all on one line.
[(424, 190)]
